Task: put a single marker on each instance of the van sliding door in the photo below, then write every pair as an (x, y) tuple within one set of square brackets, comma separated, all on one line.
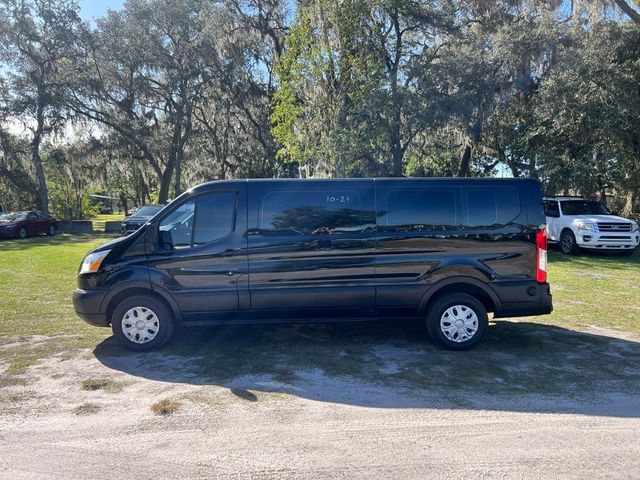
[(311, 247)]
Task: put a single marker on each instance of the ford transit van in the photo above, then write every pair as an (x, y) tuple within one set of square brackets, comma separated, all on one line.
[(444, 250)]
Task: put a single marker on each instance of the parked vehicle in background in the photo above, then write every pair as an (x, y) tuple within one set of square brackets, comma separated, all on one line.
[(576, 223), (139, 217), (446, 251), (26, 224)]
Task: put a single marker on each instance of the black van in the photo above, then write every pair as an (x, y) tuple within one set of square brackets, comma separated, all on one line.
[(446, 250)]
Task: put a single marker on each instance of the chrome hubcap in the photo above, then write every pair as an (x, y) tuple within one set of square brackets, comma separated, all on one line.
[(459, 323), (140, 324)]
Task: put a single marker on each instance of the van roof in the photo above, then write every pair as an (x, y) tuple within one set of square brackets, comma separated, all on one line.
[(203, 187), (445, 179), (563, 197)]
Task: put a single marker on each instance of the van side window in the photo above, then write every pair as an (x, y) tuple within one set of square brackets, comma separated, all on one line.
[(202, 220), (313, 213), (214, 217), (419, 210), (491, 207)]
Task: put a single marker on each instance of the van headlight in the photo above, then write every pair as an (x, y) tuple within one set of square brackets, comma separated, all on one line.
[(92, 262), (634, 226), (586, 226)]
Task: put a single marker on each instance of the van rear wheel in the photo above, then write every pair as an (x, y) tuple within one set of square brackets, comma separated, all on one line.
[(142, 322), (457, 321)]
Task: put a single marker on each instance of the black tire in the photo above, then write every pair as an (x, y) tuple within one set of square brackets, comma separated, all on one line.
[(568, 244), (165, 322), (52, 230), (22, 233), (436, 312)]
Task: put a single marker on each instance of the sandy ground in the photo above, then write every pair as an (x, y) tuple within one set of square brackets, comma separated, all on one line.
[(313, 425)]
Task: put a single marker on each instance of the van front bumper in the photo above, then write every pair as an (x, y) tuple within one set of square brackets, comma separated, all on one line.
[(87, 305)]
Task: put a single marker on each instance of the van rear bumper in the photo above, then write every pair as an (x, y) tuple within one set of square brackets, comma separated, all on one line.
[(87, 305), (523, 299)]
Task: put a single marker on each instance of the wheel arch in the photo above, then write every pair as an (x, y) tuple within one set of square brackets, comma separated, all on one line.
[(130, 291), (566, 229), (460, 284)]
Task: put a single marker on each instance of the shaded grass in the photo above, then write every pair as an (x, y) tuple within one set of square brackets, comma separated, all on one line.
[(88, 408), (105, 384), (322, 360), (166, 406)]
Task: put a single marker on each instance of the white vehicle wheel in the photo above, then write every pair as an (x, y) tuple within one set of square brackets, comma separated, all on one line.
[(457, 321), (142, 322)]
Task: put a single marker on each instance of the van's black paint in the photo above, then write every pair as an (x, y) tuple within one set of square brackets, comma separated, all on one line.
[(253, 277)]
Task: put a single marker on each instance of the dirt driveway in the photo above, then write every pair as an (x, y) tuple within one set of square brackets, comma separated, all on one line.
[(356, 401)]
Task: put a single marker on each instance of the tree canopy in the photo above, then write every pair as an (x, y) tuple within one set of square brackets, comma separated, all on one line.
[(163, 94)]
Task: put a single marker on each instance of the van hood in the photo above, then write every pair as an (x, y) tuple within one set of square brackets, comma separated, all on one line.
[(120, 244), (116, 242)]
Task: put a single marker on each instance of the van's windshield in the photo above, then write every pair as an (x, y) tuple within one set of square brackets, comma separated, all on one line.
[(583, 207)]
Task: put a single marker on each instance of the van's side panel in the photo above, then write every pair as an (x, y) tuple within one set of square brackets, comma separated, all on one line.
[(430, 230), (311, 247)]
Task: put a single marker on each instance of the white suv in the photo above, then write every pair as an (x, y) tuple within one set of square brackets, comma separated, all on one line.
[(577, 223)]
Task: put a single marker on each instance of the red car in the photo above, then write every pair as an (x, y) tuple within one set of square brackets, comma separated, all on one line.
[(24, 224)]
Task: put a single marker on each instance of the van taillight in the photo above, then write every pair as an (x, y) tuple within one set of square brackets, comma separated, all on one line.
[(541, 254)]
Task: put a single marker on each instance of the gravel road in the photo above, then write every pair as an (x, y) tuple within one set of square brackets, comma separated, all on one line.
[(317, 423)]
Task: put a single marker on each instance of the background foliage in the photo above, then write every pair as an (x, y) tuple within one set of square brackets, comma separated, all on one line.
[(164, 94)]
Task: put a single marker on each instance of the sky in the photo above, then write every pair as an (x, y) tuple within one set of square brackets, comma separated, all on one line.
[(91, 9)]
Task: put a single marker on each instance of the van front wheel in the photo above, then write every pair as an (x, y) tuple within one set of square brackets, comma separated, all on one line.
[(142, 323), (457, 321)]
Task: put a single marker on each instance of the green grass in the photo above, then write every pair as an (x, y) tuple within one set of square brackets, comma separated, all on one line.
[(600, 290), (37, 278), (100, 219)]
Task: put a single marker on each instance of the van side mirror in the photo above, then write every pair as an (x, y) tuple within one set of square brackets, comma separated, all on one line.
[(166, 240)]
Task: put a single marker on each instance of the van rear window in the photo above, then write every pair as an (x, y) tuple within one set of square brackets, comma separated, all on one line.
[(492, 207)]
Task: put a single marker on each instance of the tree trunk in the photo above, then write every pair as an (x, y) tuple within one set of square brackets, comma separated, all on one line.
[(165, 183), (630, 204), (177, 186), (626, 8), (43, 192), (397, 155), (465, 161)]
